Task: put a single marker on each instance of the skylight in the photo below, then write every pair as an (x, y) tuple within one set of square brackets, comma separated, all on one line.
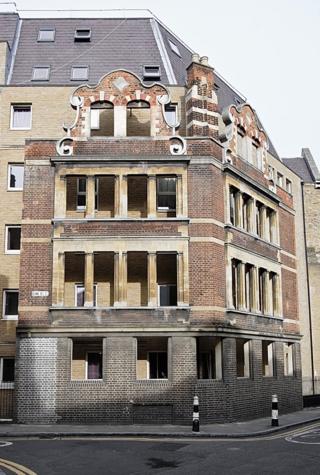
[(174, 48), (40, 73), (46, 35), (79, 73), (151, 72)]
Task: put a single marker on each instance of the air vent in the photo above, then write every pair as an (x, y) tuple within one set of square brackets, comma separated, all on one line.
[(82, 34), (151, 72)]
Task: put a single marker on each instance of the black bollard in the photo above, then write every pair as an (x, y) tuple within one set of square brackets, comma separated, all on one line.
[(274, 411), (195, 418)]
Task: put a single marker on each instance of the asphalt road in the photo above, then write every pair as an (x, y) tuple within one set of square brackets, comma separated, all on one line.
[(295, 454)]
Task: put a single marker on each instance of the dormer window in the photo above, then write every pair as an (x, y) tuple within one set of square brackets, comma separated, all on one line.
[(82, 34), (151, 72), (241, 144), (46, 35)]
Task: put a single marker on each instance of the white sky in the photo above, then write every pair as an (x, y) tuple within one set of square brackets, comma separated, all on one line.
[(268, 50)]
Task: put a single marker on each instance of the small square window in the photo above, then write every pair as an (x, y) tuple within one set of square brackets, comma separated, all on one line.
[(13, 238), (151, 72), (80, 295), (79, 73), (174, 48), (46, 35), (15, 177), (41, 73), (82, 34), (20, 116), (10, 304)]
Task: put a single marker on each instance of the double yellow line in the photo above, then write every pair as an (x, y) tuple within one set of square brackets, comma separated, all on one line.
[(16, 468)]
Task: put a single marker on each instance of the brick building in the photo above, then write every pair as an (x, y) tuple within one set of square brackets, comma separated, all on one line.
[(158, 251)]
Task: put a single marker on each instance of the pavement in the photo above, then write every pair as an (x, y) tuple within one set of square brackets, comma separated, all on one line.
[(253, 428)]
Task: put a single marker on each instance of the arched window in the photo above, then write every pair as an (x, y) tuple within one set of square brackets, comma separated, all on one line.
[(102, 119), (138, 118)]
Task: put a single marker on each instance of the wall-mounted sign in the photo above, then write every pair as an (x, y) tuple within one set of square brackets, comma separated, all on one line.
[(40, 293)]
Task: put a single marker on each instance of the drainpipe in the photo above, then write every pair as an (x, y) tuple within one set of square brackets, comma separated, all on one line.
[(308, 285)]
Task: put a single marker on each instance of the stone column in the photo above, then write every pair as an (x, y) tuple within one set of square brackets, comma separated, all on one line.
[(251, 211), (120, 121), (88, 279), (90, 205), (266, 293), (116, 279), (238, 210), (60, 197), (117, 196), (179, 197), (152, 279), (152, 196), (123, 196), (242, 286), (263, 222), (180, 279), (120, 274)]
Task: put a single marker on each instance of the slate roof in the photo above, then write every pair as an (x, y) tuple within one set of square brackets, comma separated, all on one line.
[(116, 43), (305, 166)]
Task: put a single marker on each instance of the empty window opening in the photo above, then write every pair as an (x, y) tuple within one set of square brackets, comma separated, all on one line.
[(102, 119), (76, 195), (241, 144), (259, 219), (209, 357), (152, 358), (288, 355), (151, 73), (86, 361), (21, 116), (79, 73), (10, 304), (79, 295), (236, 282), (138, 119), (263, 297), (104, 278), (105, 196), (167, 195), (167, 279), (249, 287), (7, 370), (82, 34), (15, 177), (280, 179), (243, 358), (41, 73), (13, 238), (74, 279), (137, 288), (137, 196), (232, 204), (81, 193), (246, 212), (46, 35), (267, 358)]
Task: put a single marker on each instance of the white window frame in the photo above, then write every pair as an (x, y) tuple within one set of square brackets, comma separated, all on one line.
[(79, 38), (91, 379), (13, 106), (149, 74), (9, 173), (4, 293), (46, 41), (5, 384), (148, 366), (95, 293), (81, 193), (166, 193), (11, 251)]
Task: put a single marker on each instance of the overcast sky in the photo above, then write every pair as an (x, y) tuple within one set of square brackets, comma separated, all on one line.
[(268, 50)]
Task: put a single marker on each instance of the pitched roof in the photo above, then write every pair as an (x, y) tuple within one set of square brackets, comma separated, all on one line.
[(117, 42), (305, 166)]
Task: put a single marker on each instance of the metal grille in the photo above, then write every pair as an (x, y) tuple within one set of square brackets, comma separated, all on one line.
[(6, 401)]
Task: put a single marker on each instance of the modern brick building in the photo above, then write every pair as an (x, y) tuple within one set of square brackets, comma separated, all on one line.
[(158, 247)]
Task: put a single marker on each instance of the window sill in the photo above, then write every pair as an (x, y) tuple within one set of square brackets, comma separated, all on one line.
[(252, 235), (255, 314), (8, 385), (12, 253), (127, 219), (10, 317), (249, 163), (15, 189), (85, 381)]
